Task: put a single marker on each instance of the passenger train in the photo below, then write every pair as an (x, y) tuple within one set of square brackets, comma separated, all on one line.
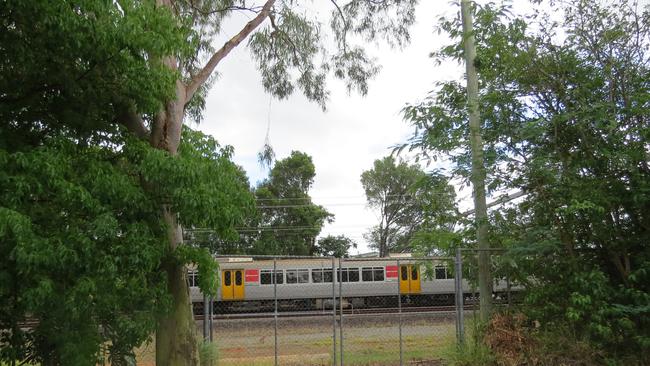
[(247, 285)]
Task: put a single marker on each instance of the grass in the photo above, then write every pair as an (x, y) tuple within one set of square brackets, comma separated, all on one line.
[(372, 342), (374, 349)]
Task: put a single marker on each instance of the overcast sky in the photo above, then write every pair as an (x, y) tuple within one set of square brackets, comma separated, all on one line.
[(346, 139)]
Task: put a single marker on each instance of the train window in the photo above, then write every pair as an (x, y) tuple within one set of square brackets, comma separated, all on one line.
[(348, 275), (303, 276), (227, 278), (279, 279), (238, 278), (321, 275), (297, 276), (441, 273), (372, 274), (414, 273), (317, 275), (405, 274), (342, 275), (292, 276), (378, 274), (266, 276), (366, 274), (327, 275), (193, 278), (353, 274)]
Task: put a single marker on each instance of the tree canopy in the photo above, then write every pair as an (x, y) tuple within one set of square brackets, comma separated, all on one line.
[(565, 120), (77, 74), (80, 221), (408, 200), (81, 240), (337, 246), (288, 221)]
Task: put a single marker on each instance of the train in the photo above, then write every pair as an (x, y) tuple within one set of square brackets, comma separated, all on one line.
[(248, 285)]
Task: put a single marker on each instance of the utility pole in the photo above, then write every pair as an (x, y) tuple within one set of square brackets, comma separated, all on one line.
[(478, 164)]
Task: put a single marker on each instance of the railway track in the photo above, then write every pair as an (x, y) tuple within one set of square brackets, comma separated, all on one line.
[(346, 312)]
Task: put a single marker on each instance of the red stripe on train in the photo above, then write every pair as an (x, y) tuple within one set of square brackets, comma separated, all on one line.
[(391, 271), (252, 275)]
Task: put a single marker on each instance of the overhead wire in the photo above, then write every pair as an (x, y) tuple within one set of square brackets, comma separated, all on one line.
[(337, 198)]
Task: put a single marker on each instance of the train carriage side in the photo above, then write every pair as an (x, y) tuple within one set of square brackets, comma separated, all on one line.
[(247, 285)]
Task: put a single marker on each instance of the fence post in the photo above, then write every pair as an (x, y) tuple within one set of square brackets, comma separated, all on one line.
[(460, 323), (333, 311), (508, 288), (399, 309), (211, 317), (275, 312), (206, 309), (340, 308)]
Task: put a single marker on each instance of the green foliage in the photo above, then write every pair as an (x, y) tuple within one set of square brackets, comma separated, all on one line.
[(564, 119), (79, 248), (290, 49), (73, 64), (82, 240), (411, 205), (208, 354), (337, 246), (289, 221), (471, 354)]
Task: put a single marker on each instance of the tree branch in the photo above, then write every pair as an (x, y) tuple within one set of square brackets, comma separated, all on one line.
[(207, 70), (345, 26), (130, 119)]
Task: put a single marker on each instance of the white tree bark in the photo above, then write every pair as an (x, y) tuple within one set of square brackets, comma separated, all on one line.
[(478, 165)]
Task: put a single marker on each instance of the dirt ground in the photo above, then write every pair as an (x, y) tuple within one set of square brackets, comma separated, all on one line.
[(367, 340)]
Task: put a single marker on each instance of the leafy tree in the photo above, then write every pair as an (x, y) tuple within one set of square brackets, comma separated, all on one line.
[(81, 241), (143, 61), (289, 52), (566, 121), (288, 221), (408, 201), (338, 246)]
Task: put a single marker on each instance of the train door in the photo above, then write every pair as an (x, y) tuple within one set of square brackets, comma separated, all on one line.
[(232, 284), (409, 279), (404, 287), (415, 284)]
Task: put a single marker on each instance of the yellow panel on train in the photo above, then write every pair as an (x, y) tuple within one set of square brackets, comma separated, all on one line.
[(232, 284), (409, 279), (415, 284)]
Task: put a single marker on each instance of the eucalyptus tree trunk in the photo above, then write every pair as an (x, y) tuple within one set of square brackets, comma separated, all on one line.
[(478, 165), (176, 338), (176, 333)]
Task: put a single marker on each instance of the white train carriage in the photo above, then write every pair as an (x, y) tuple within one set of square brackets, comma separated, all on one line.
[(302, 284)]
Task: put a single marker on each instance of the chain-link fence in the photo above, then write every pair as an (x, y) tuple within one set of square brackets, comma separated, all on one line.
[(506, 290), (331, 311)]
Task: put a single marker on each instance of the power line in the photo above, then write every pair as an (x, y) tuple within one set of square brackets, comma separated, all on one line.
[(308, 198), (310, 205), (501, 200)]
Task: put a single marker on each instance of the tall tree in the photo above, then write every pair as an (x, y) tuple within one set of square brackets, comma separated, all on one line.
[(164, 44), (288, 221), (83, 66), (288, 50), (478, 164), (404, 195)]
